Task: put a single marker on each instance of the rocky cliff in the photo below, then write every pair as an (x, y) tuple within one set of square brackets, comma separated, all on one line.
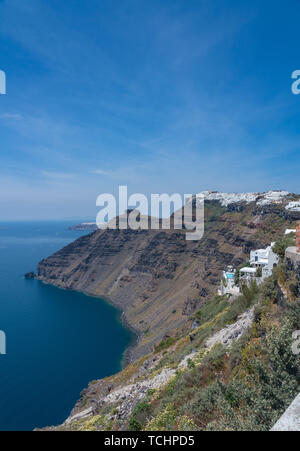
[(236, 370), (202, 362), (157, 278)]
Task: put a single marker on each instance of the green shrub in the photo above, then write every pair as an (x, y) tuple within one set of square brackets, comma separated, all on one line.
[(255, 401), (142, 406), (215, 358), (211, 308), (190, 364), (134, 425), (269, 289), (281, 245), (164, 420), (165, 343), (139, 416)]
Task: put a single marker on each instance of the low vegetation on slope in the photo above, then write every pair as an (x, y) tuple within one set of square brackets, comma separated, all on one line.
[(201, 362), (245, 386)]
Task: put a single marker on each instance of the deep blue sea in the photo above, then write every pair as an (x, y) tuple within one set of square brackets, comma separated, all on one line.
[(57, 341)]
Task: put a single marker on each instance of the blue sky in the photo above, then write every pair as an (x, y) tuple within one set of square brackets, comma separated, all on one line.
[(160, 95)]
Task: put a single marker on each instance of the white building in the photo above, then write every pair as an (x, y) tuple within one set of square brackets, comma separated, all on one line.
[(228, 285), (288, 231), (265, 259), (248, 274)]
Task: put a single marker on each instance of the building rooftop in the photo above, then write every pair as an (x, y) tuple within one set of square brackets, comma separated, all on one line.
[(248, 270), (288, 231)]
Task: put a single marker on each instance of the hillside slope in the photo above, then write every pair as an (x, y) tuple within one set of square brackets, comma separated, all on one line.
[(235, 371), (157, 278)]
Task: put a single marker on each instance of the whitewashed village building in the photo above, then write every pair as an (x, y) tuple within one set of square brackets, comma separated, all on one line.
[(228, 285), (265, 259)]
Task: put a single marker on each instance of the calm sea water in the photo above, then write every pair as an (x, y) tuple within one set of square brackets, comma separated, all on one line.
[(57, 340)]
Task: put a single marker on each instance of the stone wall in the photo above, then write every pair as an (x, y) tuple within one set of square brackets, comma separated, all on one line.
[(292, 258), (290, 420)]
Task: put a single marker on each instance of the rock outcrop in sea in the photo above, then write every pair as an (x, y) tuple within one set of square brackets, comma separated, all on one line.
[(202, 362)]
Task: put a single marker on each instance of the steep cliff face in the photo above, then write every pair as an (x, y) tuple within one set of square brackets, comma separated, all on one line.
[(237, 370), (157, 278)]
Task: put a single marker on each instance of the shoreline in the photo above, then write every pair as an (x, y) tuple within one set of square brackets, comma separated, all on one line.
[(127, 354), (126, 357)]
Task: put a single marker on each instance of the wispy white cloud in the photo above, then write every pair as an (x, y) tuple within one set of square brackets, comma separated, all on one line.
[(150, 96), (103, 172), (11, 116), (58, 175)]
